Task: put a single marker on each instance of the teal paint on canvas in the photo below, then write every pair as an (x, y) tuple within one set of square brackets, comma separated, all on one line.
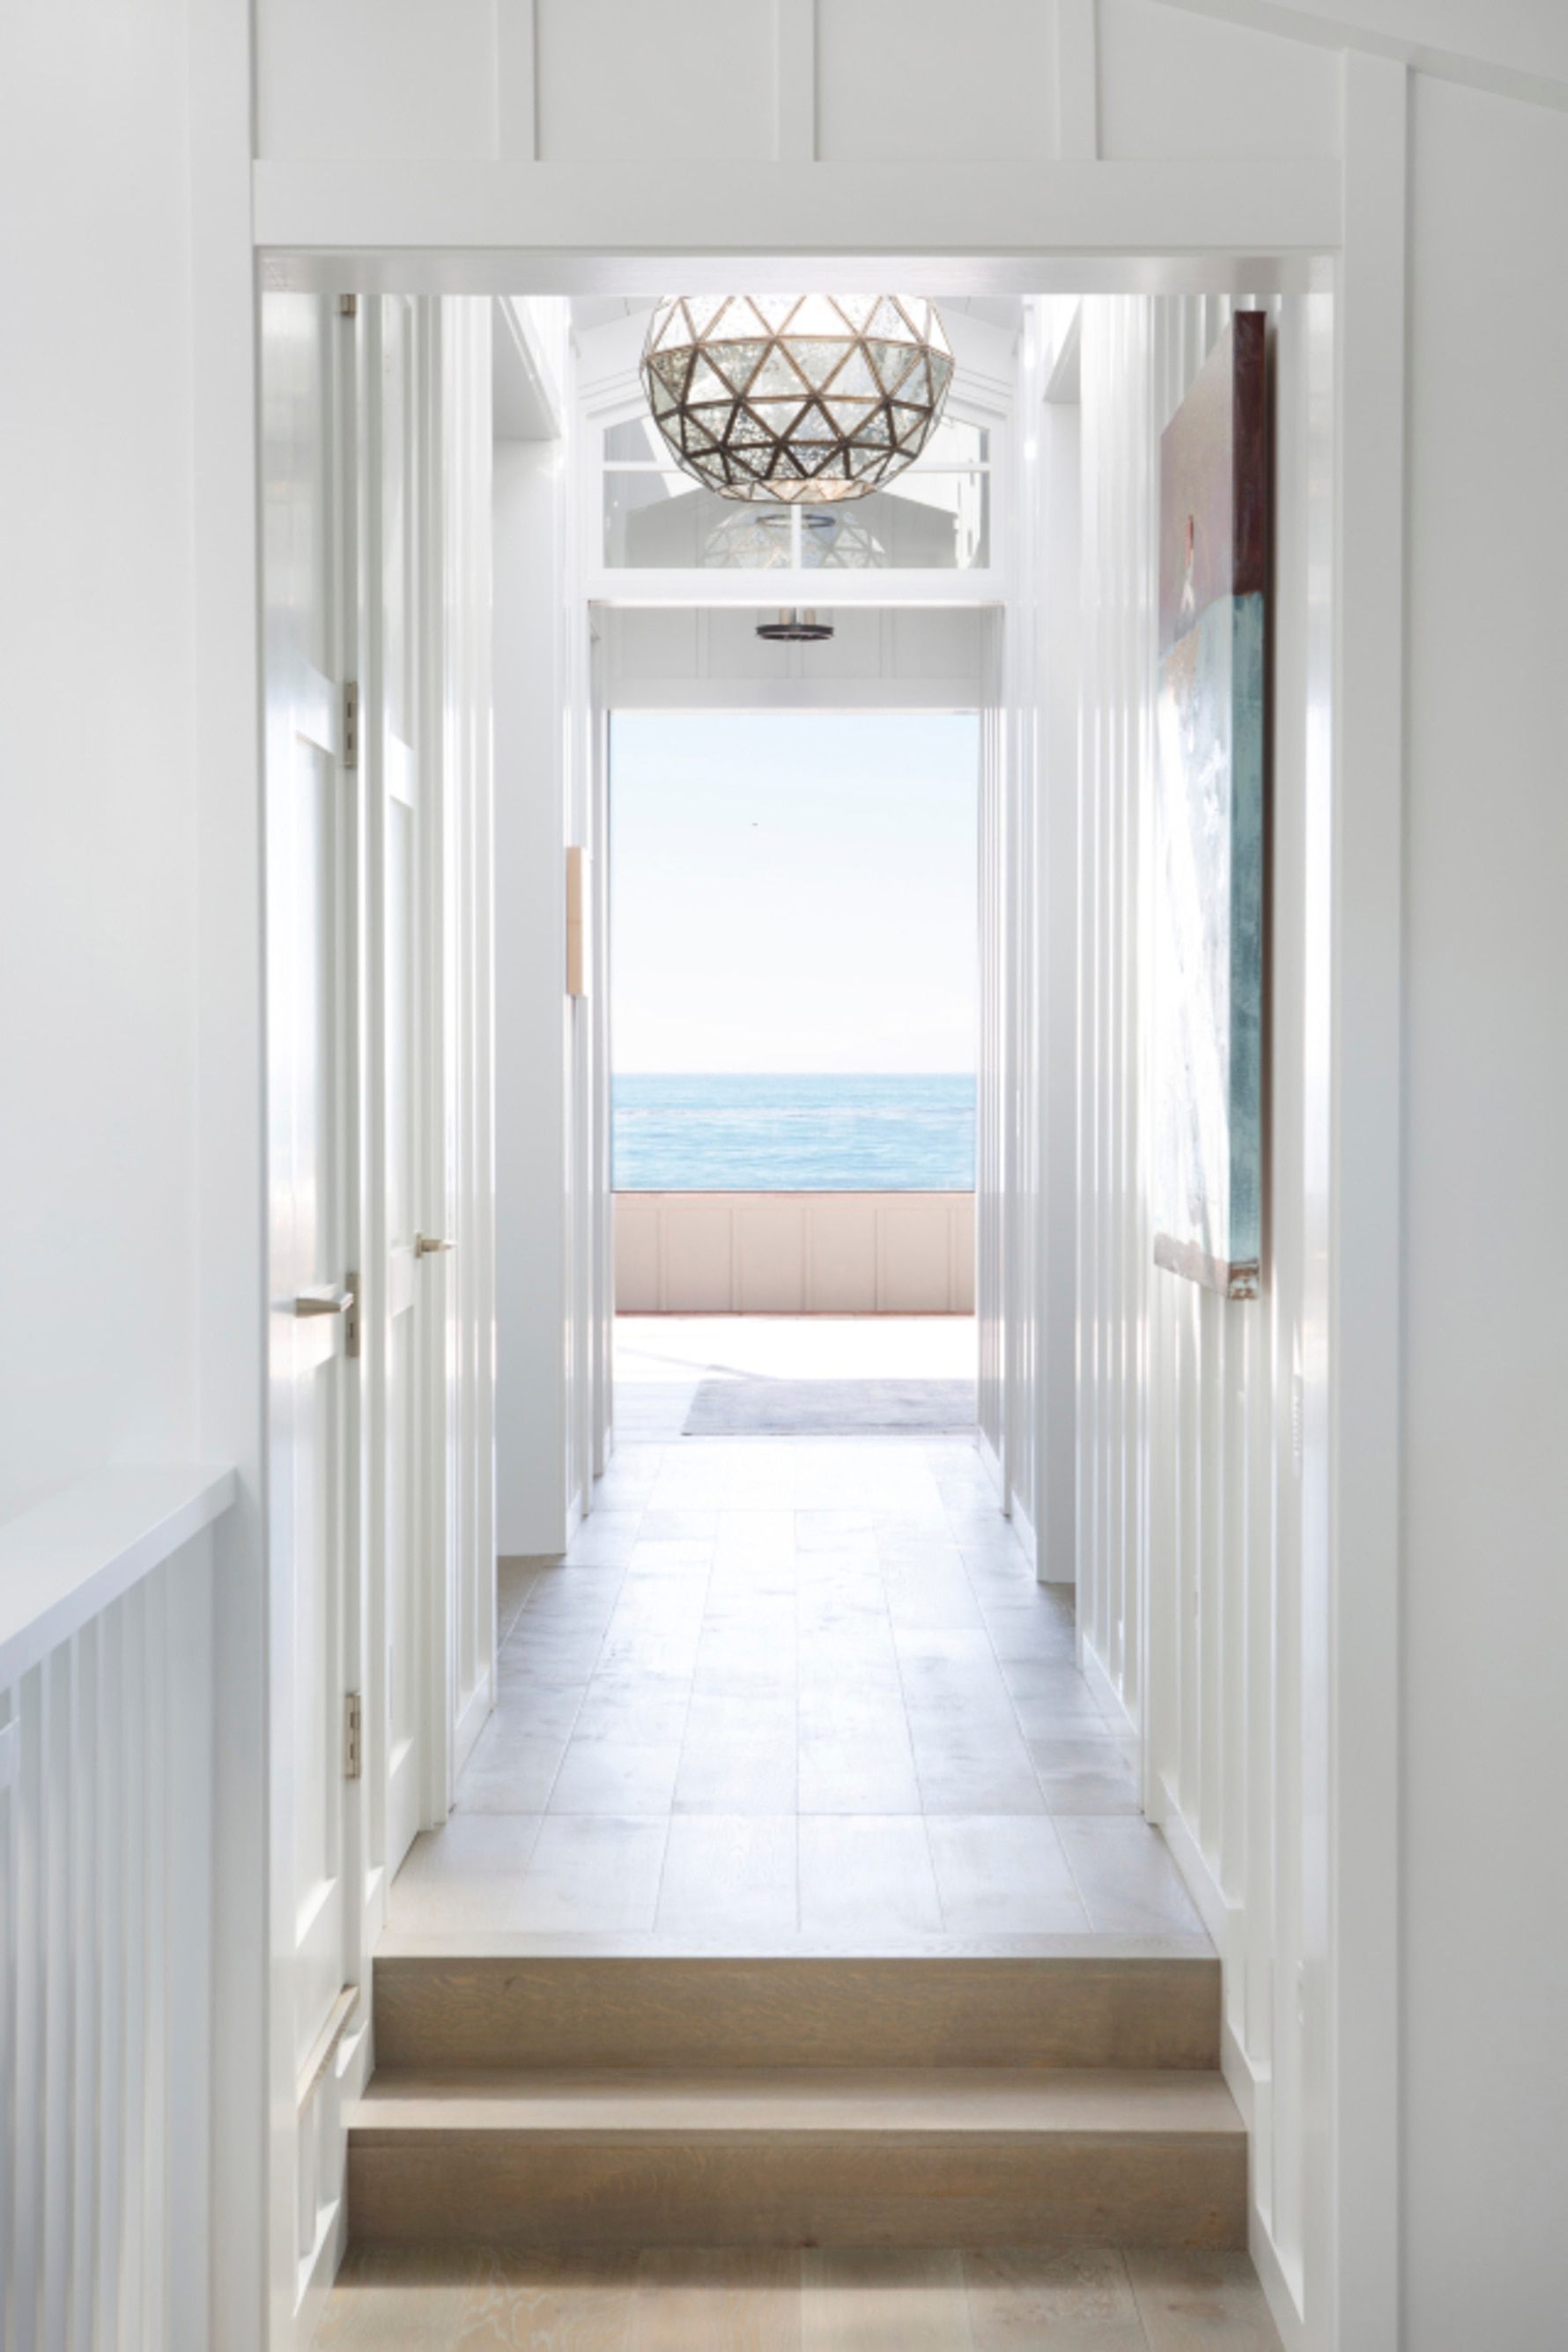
[(1210, 803), (1209, 943)]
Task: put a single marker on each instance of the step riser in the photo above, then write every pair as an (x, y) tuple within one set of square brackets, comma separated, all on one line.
[(929, 2011), (846, 2190)]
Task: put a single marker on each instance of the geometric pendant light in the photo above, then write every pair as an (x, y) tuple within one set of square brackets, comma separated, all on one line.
[(799, 398), (757, 539)]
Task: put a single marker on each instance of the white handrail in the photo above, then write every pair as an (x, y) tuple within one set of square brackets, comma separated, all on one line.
[(69, 1557)]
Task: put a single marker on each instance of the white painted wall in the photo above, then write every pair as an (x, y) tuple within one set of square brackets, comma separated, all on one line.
[(98, 879), (107, 910), (1200, 1463), (596, 82), (1484, 1899), (97, 139), (530, 1005), (548, 1121), (687, 659), (467, 503), (1029, 1110)]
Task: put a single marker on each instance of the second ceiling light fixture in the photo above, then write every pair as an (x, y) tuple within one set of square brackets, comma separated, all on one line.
[(801, 398)]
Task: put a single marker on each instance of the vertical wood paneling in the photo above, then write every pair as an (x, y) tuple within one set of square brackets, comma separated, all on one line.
[(1190, 1494), (25, 1937), (465, 427), (83, 2136), (103, 2099)]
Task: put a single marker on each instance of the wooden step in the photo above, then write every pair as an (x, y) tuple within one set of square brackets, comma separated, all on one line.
[(882, 2157), (1101, 2007)]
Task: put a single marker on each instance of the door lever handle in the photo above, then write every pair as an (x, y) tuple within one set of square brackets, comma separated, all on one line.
[(430, 1245), (324, 1302)]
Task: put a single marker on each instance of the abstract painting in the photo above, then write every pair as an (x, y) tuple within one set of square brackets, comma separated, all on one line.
[(1211, 783)]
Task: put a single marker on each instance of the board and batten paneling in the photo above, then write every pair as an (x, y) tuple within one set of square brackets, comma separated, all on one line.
[(467, 1153), (909, 84), (795, 1252), (106, 1842), (878, 658), (1201, 1480)]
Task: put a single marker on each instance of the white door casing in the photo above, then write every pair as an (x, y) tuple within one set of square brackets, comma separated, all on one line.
[(397, 1276), (377, 791), (312, 1236)]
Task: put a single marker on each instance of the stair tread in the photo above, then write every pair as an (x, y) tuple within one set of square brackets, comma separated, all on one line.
[(990, 2099), (573, 1946)]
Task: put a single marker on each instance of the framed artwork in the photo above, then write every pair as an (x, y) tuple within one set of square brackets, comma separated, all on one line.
[(1210, 793)]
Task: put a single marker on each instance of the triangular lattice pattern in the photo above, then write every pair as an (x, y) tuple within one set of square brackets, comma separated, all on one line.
[(795, 397), (751, 541)]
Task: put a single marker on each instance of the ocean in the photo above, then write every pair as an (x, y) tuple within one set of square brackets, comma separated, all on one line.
[(793, 1134)]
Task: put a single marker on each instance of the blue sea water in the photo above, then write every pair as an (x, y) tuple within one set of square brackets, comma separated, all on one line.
[(761, 1134)]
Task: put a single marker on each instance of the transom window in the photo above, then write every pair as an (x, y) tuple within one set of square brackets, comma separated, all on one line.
[(936, 518)]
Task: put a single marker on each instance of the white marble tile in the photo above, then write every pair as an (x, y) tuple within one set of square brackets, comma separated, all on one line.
[(866, 1874), (615, 1776), (1002, 1875), (729, 1872), (1124, 1873), (592, 1874), (854, 1751), (467, 1874), (604, 1539), (738, 1755)]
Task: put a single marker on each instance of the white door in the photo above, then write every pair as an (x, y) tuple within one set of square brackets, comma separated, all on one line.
[(404, 1250), (309, 822)]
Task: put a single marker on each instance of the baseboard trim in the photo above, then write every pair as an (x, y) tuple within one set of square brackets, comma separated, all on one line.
[(1251, 2085), (1282, 2298), (992, 1462), (471, 1722), (1106, 1689)]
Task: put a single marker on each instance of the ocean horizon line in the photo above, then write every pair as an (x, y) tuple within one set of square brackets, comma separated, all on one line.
[(793, 1130)]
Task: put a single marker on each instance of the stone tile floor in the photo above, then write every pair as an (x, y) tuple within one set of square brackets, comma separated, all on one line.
[(793, 1689), (824, 2299)]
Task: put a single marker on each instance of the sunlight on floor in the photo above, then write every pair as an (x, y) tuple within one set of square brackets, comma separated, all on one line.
[(684, 1348)]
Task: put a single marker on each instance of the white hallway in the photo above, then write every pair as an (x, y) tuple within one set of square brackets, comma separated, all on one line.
[(1313, 1544)]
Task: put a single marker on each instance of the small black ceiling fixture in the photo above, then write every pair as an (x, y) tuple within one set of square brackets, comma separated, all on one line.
[(794, 628)]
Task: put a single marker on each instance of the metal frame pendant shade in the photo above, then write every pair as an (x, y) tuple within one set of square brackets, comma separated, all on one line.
[(798, 398)]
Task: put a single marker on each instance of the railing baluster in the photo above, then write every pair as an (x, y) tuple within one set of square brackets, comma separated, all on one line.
[(85, 1651), (133, 1966), (157, 1701), (10, 1702), (28, 2138), (110, 1946), (58, 2007)]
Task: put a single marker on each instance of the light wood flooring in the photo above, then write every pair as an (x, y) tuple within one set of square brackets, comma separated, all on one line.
[(824, 2299), (793, 1688)]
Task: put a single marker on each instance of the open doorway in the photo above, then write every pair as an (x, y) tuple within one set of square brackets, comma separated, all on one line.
[(797, 1685), (793, 958)]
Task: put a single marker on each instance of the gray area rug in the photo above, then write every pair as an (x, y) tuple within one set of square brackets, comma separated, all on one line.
[(752, 1408)]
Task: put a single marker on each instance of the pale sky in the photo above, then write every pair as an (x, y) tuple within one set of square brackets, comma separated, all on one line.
[(793, 891)]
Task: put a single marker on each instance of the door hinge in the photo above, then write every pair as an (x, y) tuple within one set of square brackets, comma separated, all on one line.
[(352, 1726), (348, 305), (350, 1336), (351, 724)]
